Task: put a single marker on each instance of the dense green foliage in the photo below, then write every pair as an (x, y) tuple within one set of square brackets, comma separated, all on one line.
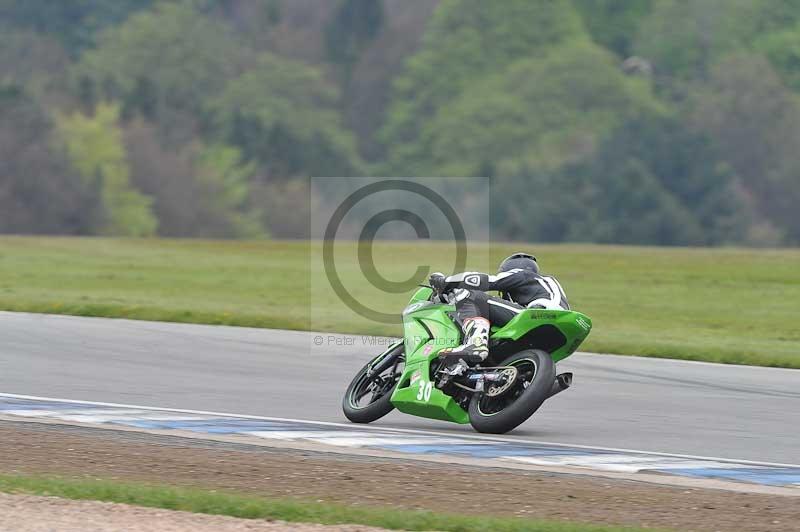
[(170, 56), (36, 175), (73, 22), (663, 302), (644, 121), (283, 115), (466, 41), (548, 111), (94, 145)]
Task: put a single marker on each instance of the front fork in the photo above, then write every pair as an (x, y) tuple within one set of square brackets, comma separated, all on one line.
[(387, 361)]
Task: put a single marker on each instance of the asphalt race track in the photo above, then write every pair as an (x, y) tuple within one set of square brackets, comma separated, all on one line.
[(733, 412)]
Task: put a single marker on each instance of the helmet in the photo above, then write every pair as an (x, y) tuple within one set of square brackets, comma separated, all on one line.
[(522, 261)]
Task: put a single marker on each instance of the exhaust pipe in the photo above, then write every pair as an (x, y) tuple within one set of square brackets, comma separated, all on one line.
[(562, 382)]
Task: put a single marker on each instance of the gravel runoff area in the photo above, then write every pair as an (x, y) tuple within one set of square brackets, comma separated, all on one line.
[(79, 452), (29, 513)]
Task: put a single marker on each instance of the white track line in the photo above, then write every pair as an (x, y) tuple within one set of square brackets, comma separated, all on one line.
[(391, 429)]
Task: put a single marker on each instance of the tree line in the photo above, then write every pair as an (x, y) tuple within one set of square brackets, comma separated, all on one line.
[(671, 122)]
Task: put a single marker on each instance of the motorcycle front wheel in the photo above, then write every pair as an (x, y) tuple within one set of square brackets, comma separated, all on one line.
[(534, 382), (368, 397)]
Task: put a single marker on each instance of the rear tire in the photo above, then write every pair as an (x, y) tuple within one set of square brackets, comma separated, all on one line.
[(491, 415), (377, 408)]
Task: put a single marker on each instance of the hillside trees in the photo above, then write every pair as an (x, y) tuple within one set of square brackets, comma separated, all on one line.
[(613, 24), (226, 118), (354, 25), (75, 23), (284, 115), (756, 121), (171, 56), (685, 38), (206, 117), (466, 40), (651, 181), (39, 190), (539, 112), (782, 49), (35, 63), (369, 90), (95, 148), (198, 190)]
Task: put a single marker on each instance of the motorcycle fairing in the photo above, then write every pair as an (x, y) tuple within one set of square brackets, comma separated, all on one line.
[(428, 328)]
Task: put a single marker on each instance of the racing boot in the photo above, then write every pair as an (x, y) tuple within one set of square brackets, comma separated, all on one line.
[(473, 351)]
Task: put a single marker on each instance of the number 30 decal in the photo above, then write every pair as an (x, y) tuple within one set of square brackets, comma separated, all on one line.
[(424, 392)]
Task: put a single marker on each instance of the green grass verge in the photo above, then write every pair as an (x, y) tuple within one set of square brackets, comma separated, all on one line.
[(247, 507), (720, 305)]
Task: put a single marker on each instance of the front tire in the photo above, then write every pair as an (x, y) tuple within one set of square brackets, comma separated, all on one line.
[(498, 415), (376, 406)]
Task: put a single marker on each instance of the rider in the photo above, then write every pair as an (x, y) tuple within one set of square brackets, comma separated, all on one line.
[(521, 286)]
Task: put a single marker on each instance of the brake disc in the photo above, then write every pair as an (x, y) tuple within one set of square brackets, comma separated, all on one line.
[(509, 377)]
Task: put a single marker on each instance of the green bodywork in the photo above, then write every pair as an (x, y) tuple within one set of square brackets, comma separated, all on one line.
[(428, 328)]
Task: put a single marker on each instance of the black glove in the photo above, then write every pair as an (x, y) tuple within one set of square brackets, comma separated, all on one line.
[(438, 282)]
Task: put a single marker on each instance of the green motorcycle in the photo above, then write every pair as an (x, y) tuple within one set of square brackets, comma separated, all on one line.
[(495, 397)]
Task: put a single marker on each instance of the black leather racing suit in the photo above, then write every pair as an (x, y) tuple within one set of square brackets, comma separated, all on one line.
[(520, 289)]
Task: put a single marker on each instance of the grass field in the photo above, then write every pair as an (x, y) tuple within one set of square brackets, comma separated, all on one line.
[(216, 503), (721, 305)]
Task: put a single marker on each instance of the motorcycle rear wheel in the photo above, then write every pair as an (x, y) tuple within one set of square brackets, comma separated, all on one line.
[(498, 415), (379, 404)]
